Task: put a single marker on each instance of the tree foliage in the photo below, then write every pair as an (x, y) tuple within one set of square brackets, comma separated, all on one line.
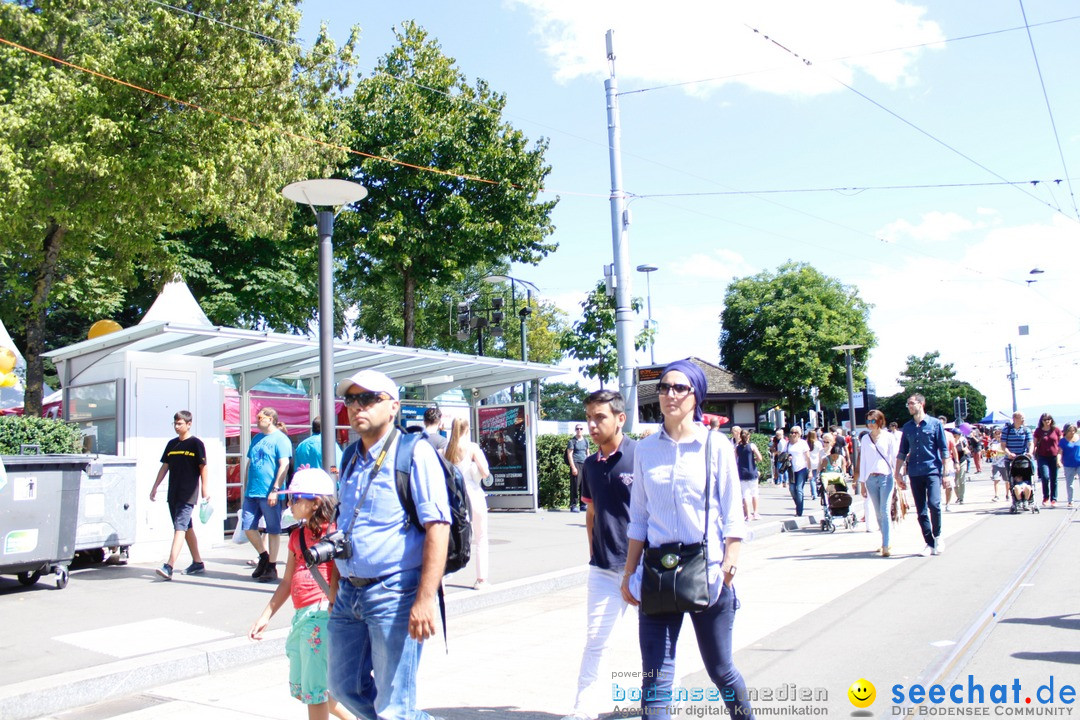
[(936, 382), (562, 401), (93, 169), (425, 229), (593, 341), (778, 330)]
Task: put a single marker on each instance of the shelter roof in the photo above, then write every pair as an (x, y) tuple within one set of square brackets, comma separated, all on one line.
[(256, 355)]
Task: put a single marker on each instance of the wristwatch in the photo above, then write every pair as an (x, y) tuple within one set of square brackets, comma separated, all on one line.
[(731, 570)]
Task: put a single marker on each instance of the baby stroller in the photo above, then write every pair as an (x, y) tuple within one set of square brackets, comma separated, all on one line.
[(1020, 472), (835, 501)]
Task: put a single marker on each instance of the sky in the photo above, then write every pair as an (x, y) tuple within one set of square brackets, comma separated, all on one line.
[(923, 153)]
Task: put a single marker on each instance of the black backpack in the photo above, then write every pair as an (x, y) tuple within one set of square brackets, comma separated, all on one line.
[(457, 551), (783, 462)]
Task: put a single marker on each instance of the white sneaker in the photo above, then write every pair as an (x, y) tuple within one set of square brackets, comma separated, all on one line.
[(939, 545), (935, 551), (926, 551)]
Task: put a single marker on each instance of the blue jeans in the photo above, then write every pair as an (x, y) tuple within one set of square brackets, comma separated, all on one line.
[(1048, 473), (372, 660), (814, 475), (795, 487), (927, 492), (879, 487), (658, 636)]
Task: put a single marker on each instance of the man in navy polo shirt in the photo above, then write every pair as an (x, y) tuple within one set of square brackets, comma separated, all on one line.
[(924, 453), (605, 489)]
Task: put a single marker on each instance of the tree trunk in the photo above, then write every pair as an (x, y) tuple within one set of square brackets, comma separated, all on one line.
[(409, 311), (35, 320)]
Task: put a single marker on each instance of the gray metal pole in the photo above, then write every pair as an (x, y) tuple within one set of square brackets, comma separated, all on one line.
[(648, 296), (850, 392), (1012, 373), (624, 316), (326, 338)]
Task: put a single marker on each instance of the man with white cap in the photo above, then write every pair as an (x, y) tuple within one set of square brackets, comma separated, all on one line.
[(384, 605)]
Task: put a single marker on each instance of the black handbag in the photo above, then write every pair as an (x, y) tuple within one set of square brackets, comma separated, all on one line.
[(675, 577)]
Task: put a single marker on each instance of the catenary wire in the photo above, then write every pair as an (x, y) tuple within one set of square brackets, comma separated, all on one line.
[(1049, 109)]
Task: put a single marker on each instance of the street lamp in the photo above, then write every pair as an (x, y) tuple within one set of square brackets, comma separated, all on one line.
[(850, 384), (523, 314), (649, 269), (326, 193)]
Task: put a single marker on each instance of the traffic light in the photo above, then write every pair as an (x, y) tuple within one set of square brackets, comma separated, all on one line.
[(960, 408)]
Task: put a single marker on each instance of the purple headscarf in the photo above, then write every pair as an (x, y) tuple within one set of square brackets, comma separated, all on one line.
[(696, 377)]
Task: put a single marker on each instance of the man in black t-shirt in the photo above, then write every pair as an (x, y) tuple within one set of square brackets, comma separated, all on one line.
[(606, 479), (184, 461)]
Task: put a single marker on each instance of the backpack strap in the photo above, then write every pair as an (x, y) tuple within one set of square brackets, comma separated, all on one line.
[(403, 475)]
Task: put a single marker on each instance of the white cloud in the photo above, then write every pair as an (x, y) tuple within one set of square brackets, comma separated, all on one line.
[(935, 227), (678, 42)]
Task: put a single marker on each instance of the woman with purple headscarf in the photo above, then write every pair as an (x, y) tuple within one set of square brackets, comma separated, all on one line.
[(667, 505)]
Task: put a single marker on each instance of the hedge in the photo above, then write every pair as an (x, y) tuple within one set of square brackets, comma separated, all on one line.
[(54, 436)]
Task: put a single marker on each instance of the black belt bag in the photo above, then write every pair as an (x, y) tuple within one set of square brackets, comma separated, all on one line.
[(675, 577)]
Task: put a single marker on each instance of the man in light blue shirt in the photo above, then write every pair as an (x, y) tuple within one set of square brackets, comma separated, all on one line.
[(385, 588), (267, 469), (309, 451)]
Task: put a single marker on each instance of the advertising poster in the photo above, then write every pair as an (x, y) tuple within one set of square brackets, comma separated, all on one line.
[(501, 433)]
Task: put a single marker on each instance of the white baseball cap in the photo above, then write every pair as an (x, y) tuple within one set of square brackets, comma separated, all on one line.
[(372, 381), (310, 481)]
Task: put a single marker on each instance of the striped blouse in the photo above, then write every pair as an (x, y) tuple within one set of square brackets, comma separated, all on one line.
[(667, 502)]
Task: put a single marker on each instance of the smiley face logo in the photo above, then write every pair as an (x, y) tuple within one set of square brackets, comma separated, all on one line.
[(862, 693)]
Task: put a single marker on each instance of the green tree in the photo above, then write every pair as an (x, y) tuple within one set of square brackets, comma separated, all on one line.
[(778, 330), (89, 165), (422, 228), (592, 340), (937, 382), (562, 401)]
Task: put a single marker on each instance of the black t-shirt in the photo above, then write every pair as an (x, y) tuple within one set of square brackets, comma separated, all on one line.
[(184, 458), (606, 484)]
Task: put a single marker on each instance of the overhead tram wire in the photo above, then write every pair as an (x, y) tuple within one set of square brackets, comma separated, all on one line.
[(904, 120), (850, 190), (851, 57), (1049, 109)]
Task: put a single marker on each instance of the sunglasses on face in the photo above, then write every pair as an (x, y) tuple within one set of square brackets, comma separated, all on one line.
[(678, 390), (305, 496), (871, 421), (363, 399)]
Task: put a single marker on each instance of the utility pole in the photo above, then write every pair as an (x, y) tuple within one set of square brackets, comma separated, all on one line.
[(850, 383), (620, 225), (1012, 373)]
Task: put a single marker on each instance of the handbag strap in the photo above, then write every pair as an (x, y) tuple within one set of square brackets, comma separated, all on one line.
[(708, 491)]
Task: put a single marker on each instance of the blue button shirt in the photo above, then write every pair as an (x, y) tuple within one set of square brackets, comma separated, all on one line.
[(383, 540), (923, 446)]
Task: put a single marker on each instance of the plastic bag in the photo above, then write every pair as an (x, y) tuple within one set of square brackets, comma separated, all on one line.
[(205, 511)]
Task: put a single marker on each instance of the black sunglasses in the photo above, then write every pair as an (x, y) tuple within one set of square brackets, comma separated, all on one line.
[(679, 389), (363, 399)]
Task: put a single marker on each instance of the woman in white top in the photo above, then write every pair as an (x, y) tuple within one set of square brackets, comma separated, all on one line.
[(877, 457), (668, 505), (470, 460)]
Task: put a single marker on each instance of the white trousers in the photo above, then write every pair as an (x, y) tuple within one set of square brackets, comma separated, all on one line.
[(605, 608), (478, 514)]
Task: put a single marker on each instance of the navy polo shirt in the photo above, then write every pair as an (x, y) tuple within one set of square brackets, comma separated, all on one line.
[(606, 484), (924, 445), (1017, 439)]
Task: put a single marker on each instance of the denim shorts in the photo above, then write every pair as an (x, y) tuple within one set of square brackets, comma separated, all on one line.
[(181, 515), (258, 507), (306, 649)]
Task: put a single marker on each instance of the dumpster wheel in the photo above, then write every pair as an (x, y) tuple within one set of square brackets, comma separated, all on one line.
[(29, 578), (61, 577)]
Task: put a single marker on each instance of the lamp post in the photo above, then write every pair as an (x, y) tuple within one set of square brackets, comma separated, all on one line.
[(850, 384), (326, 193), (648, 270), (523, 314)]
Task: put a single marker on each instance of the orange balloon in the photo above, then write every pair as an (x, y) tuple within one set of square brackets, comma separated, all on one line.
[(103, 327), (7, 360)]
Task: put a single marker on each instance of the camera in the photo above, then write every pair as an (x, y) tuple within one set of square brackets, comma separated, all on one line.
[(330, 547)]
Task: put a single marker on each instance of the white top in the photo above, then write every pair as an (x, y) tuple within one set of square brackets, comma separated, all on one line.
[(872, 463), (468, 468), (798, 451), (816, 454), (667, 502)]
